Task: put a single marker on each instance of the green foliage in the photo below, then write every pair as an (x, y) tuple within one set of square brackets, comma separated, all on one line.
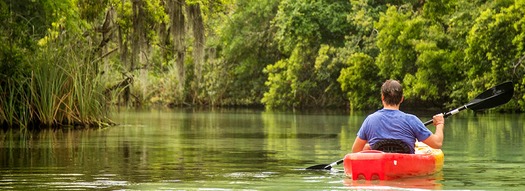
[(290, 81), (23, 22), (360, 82), (362, 17), (495, 47), (437, 69), (237, 77), (125, 13), (416, 51), (455, 17), (49, 78), (61, 89), (152, 15), (91, 10), (328, 65), (398, 33), (303, 27), (316, 22), (279, 92), (280, 53), (304, 86), (13, 107)]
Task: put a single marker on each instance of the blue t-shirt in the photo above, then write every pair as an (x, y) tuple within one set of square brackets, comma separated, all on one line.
[(393, 124)]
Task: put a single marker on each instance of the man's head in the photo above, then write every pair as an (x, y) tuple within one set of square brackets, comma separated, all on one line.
[(392, 92)]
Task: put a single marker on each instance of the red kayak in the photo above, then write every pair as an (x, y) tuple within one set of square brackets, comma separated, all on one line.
[(378, 165)]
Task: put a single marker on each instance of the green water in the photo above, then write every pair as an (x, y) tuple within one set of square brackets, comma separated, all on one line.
[(247, 149)]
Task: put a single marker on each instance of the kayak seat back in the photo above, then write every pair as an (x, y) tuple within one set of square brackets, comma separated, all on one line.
[(392, 146)]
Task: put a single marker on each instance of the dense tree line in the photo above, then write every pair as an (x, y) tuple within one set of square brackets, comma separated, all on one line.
[(276, 53)]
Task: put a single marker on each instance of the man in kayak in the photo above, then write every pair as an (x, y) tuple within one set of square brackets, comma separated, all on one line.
[(390, 123)]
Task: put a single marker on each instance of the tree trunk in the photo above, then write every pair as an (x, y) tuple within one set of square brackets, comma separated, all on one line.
[(198, 44), (136, 41), (107, 30), (178, 31), (123, 47), (164, 35)]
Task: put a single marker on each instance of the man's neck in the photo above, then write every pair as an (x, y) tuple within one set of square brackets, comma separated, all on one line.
[(391, 107)]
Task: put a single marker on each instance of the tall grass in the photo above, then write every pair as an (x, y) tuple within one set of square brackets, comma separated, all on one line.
[(13, 110), (61, 88)]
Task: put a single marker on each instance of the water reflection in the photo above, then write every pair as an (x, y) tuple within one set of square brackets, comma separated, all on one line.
[(242, 149)]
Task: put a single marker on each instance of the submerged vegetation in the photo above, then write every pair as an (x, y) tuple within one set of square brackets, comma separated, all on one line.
[(64, 62)]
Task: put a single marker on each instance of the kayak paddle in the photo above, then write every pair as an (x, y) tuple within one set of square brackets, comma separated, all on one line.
[(325, 166), (495, 96)]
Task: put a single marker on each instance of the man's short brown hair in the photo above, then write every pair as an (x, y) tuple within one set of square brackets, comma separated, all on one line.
[(392, 92)]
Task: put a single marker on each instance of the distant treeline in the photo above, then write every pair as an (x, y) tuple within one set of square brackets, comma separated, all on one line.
[(64, 61)]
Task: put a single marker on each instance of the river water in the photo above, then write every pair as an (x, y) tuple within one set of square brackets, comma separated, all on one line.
[(247, 150)]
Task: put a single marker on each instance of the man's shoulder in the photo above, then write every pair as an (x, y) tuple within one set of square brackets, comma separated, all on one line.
[(410, 115), (412, 118), (376, 114)]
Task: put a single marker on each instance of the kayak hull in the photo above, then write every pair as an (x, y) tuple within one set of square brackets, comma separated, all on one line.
[(377, 165)]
